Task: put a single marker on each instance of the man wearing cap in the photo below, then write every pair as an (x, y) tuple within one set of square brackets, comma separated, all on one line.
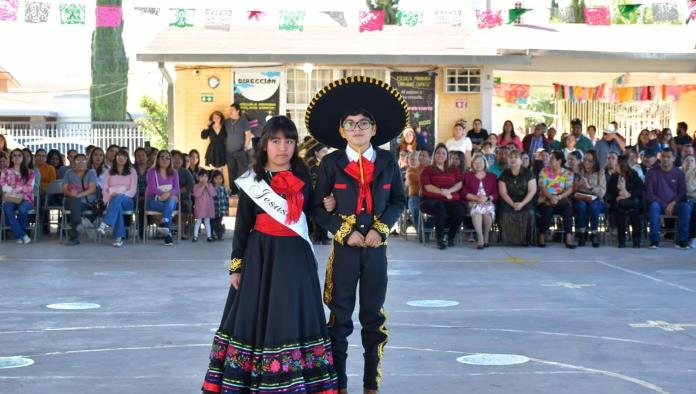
[(365, 182), (582, 143), (609, 143)]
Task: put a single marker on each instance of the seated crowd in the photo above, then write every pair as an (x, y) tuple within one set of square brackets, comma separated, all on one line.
[(103, 192), (579, 185)]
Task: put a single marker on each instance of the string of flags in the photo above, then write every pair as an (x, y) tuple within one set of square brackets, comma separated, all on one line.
[(560, 11)]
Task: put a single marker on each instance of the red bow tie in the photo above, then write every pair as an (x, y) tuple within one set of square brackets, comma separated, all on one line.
[(364, 182), (286, 183)]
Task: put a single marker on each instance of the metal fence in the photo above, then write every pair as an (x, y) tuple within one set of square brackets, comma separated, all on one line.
[(632, 116), (74, 135)]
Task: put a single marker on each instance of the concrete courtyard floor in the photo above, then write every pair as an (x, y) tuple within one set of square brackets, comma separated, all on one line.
[(586, 321)]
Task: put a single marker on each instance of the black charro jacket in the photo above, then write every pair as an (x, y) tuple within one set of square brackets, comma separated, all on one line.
[(389, 197)]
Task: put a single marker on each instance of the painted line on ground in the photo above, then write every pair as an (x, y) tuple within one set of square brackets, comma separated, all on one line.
[(652, 278), (54, 329)]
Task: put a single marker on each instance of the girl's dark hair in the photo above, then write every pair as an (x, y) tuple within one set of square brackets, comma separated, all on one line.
[(446, 165), (558, 155), (170, 169), (595, 166), (623, 168), (275, 125), (462, 159), (198, 164), (30, 164), (126, 167), (512, 130), (4, 144), (215, 173), (203, 172), (23, 169), (99, 170)]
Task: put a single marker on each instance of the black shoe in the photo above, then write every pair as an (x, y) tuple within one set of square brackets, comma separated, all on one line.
[(486, 245), (194, 239), (582, 239), (168, 240), (480, 247), (681, 245), (450, 241), (594, 239), (210, 239), (441, 243)]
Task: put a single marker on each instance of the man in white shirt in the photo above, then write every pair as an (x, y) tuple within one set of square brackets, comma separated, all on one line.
[(460, 142)]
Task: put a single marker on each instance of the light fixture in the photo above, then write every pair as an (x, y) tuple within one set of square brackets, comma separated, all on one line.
[(308, 68)]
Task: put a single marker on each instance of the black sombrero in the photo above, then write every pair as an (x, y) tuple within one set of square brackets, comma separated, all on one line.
[(382, 101)]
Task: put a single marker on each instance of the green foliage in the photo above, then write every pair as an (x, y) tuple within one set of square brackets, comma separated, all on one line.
[(390, 7), (155, 123), (543, 103), (109, 90)]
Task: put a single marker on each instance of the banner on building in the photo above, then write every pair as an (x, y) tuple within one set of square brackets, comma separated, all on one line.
[(448, 17), (418, 89), (291, 20), (36, 11), (598, 16), (338, 17), (488, 19), (664, 13), (409, 18), (258, 94)]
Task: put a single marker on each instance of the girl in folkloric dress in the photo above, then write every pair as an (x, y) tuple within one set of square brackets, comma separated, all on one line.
[(273, 336)]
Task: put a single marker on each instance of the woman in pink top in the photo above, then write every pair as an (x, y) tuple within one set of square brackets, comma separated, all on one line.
[(120, 186), (508, 136), (204, 210), (17, 182)]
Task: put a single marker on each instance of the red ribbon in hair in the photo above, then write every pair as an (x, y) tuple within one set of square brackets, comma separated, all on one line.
[(286, 183), (364, 182)]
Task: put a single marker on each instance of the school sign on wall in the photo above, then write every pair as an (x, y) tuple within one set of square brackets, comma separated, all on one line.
[(258, 94)]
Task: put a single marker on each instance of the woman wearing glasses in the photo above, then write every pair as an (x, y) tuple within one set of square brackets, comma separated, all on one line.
[(17, 182)]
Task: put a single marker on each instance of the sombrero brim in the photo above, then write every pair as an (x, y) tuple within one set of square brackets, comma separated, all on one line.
[(383, 101)]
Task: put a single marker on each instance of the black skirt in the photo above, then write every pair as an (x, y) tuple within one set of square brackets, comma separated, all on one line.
[(273, 336)]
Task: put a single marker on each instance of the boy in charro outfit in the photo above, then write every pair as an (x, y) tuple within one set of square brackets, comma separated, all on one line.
[(355, 115)]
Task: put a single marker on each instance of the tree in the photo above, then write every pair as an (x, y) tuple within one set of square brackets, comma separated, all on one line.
[(155, 123), (390, 7), (109, 90)]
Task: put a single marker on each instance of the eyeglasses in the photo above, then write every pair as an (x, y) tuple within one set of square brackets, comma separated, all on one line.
[(21, 156), (362, 124), (165, 158)]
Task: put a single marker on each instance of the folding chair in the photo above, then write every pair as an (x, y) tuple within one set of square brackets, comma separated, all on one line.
[(176, 225), (54, 192), (33, 211), (65, 225)]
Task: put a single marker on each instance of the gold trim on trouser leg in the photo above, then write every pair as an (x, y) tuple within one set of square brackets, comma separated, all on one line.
[(380, 347), (328, 283)]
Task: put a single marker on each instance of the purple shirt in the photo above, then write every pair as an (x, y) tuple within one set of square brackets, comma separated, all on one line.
[(154, 179), (664, 187)]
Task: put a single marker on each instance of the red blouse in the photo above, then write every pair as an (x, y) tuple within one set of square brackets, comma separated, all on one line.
[(471, 185), (442, 179)]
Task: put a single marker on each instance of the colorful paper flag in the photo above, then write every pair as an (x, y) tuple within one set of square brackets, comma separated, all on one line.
[(8, 10), (148, 10), (448, 17), (409, 18), (338, 16), (567, 12), (292, 20), (515, 13), (371, 20), (256, 15), (218, 19), (72, 14), (182, 17), (109, 15), (692, 11), (628, 10), (36, 11), (488, 19), (667, 13), (597, 16)]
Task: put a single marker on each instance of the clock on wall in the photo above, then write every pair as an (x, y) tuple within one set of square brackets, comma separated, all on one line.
[(213, 82)]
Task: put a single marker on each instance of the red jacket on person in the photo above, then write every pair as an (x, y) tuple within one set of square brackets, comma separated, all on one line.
[(471, 184)]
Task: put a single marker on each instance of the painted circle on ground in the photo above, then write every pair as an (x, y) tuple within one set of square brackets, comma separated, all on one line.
[(15, 362), (677, 272), (114, 273), (432, 303), (403, 272), (493, 359), (73, 306)]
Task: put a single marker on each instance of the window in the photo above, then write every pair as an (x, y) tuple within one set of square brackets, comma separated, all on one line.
[(377, 73), (462, 80), (301, 89)]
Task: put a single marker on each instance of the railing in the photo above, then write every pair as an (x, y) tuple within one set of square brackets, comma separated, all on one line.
[(75, 135)]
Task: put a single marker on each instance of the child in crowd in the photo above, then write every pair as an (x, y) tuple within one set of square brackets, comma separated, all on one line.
[(488, 153), (205, 207), (222, 204)]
